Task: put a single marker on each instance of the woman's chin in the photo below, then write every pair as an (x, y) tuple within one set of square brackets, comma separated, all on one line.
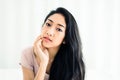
[(46, 45)]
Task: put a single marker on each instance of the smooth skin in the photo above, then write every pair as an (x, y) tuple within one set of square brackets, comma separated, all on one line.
[(46, 46)]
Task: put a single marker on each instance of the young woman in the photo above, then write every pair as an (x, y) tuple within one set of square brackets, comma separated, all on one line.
[(57, 52)]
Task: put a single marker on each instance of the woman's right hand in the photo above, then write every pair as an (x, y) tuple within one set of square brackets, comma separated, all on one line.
[(40, 51)]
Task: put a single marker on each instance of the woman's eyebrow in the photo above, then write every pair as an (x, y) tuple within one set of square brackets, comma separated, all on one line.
[(57, 24), (61, 25), (50, 20)]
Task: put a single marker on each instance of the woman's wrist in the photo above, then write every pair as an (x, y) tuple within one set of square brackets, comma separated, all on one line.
[(41, 71), (44, 63)]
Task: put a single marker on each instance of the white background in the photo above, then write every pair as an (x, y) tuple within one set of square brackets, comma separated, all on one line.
[(99, 25)]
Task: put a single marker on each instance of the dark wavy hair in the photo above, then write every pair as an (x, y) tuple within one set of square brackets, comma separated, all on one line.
[(68, 63)]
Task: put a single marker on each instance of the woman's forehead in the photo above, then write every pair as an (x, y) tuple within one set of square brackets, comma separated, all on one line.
[(57, 18)]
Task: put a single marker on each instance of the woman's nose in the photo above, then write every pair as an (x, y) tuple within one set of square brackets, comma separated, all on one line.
[(51, 32)]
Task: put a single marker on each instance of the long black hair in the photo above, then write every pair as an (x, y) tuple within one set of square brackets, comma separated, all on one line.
[(68, 63)]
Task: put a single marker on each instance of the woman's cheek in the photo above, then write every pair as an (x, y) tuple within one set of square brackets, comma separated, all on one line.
[(42, 32)]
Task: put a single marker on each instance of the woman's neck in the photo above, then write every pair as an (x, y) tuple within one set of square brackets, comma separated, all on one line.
[(52, 53)]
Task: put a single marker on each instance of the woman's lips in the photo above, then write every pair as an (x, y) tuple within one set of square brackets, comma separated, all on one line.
[(47, 39)]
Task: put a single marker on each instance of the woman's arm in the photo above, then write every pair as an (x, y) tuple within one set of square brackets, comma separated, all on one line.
[(41, 72), (27, 74), (43, 57)]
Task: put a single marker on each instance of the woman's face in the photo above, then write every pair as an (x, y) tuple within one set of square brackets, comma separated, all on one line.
[(53, 31)]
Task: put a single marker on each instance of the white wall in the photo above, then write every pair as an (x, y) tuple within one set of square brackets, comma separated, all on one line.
[(99, 25)]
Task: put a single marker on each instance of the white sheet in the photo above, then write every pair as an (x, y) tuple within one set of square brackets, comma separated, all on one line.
[(16, 74), (11, 74)]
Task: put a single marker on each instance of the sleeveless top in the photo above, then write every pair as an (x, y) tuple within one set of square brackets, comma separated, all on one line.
[(28, 60)]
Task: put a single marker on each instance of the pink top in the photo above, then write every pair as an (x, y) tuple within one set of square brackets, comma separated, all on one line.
[(28, 60)]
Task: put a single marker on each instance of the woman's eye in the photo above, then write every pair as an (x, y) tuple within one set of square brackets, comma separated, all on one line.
[(48, 24), (58, 29)]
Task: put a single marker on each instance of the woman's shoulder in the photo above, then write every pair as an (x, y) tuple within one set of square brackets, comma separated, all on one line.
[(27, 57), (28, 52)]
